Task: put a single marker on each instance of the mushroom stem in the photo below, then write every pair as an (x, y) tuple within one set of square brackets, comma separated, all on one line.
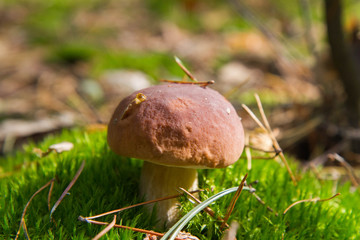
[(159, 181)]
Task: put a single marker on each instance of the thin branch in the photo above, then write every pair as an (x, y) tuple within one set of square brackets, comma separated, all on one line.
[(136, 205), (309, 200), (22, 221), (105, 230), (67, 188), (233, 201)]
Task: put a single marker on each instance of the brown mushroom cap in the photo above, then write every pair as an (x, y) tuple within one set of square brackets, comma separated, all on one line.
[(179, 125)]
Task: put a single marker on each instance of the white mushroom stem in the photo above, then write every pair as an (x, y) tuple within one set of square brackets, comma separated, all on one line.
[(159, 181)]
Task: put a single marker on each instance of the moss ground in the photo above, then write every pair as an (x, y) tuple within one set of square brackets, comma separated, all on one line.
[(109, 182)]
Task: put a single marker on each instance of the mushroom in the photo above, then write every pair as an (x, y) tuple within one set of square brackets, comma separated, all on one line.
[(176, 129)]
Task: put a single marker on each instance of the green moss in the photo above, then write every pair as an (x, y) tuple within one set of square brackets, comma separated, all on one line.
[(102, 176), (109, 182)]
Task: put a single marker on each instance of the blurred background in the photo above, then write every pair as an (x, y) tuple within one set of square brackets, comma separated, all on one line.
[(66, 63)]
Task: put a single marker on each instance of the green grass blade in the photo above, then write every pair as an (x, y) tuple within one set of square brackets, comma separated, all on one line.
[(176, 228)]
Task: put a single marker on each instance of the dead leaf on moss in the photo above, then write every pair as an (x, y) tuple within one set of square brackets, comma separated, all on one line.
[(58, 148)]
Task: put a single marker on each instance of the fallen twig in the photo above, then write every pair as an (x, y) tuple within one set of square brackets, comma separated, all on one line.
[(105, 230), (49, 194), (67, 188), (22, 221), (266, 127), (233, 201), (136, 205), (309, 200)]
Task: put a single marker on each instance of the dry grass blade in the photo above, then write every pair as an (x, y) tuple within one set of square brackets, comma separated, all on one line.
[(262, 150), (49, 194), (123, 227), (186, 71), (262, 113), (135, 205), (253, 116), (207, 209), (26, 231), (105, 230), (233, 201), (22, 221), (309, 200), (346, 165), (203, 84), (275, 142), (267, 129), (265, 158), (248, 151), (67, 188)]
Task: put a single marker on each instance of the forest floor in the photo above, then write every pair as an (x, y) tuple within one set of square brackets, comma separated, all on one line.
[(65, 64)]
